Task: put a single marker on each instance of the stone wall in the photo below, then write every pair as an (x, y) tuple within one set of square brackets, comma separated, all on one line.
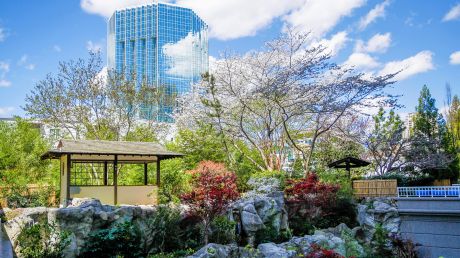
[(252, 213)]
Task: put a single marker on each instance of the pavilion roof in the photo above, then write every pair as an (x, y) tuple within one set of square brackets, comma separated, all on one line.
[(354, 163), (95, 147)]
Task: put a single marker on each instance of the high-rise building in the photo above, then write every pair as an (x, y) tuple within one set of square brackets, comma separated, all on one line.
[(164, 45)]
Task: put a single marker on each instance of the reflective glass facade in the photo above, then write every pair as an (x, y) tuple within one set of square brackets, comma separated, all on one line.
[(164, 45)]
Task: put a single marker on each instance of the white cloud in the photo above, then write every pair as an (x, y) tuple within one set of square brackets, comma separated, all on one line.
[(6, 110), (420, 63), (376, 12), (30, 67), (57, 48), (180, 58), (93, 47), (4, 83), (4, 66), (24, 62), (455, 58), (106, 8), (4, 69), (320, 16), (379, 43), (362, 61), (2, 34), (231, 19), (335, 43), (453, 14)]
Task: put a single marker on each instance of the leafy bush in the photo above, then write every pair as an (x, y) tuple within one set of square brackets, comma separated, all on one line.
[(123, 239), (270, 234), (321, 252), (260, 176), (20, 196), (408, 179), (159, 228), (214, 189), (403, 248), (223, 231), (42, 240), (352, 247), (174, 182), (380, 242)]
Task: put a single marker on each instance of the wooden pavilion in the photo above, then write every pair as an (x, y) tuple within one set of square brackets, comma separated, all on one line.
[(91, 169), (348, 163)]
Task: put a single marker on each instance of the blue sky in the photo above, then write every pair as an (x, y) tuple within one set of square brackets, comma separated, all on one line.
[(421, 37)]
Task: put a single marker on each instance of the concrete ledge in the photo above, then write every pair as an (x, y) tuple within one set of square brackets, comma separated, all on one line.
[(422, 212), (427, 199)]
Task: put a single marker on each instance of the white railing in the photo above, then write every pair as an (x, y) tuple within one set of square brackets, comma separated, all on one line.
[(429, 191)]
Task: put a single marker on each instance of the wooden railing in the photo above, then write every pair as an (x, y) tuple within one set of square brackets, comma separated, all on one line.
[(375, 188)]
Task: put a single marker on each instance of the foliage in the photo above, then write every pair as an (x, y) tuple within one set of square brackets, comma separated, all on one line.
[(175, 254), (430, 150), (386, 142), (270, 234), (352, 247), (223, 231), (174, 181), (86, 102), (20, 196), (311, 191), (159, 228), (197, 145), (407, 179), (273, 98), (403, 248), (213, 190), (381, 242), (21, 146), (42, 239), (313, 204), (120, 240), (320, 252)]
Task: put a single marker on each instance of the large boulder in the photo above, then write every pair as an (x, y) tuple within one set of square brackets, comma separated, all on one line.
[(378, 211)]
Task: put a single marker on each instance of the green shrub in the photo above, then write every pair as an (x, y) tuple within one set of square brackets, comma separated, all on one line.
[(352, 247), (42, 240), (381, 242), (160, 227), (271, 234), (408, 179), (123, 240), (280, 175), (223, 231), (19, 196)]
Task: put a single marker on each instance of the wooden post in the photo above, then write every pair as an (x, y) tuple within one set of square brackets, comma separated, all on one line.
[(158, 171), (105, 173), (115, 182), (146, 181), (69, 168)]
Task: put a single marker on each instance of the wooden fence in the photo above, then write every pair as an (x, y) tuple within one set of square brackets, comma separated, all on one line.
[(28, 192), (375, 188), (441, 182)]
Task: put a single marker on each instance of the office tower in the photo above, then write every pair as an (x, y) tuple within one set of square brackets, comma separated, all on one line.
[(164, 45)]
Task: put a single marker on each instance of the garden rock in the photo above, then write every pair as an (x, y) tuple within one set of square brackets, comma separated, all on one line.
[(374, 211), (271, 250), (216, 250)]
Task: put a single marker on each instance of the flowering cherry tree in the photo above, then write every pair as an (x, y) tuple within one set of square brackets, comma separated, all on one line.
[(214, 189)]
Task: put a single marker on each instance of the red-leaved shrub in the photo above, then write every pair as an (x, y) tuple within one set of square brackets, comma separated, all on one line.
[(213, 190), (309, 202), (319, 252)]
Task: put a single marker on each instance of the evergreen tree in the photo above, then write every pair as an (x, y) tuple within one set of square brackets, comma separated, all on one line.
[(431, 141)]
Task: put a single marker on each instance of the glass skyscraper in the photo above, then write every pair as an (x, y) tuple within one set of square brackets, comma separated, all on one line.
[(162, 44)]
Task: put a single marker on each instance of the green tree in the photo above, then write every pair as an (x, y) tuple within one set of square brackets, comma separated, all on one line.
[(386, 143), (430, 140), (21, 146)]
